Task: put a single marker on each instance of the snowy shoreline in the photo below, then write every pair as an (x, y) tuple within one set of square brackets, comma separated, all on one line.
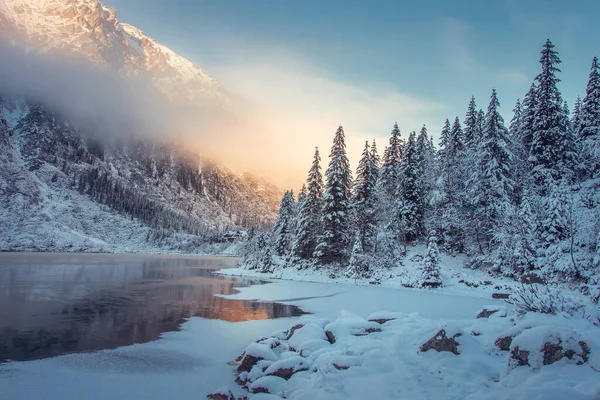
[(437, 346)]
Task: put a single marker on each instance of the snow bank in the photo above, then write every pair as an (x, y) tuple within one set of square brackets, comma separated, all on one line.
[(390, 362)]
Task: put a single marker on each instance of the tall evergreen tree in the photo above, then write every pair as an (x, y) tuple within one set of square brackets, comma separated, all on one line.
[(576, 117), (491, 183), (480, 122), (552, 143), (589, 129), (471, 131), (283, 231), (388, 173), (444, 135), (453, 176), (515, 122), (310, 212), (301, 196), (590, 109), (525, 133), (375, 155), (334, 242), (411, 211), (363, 200)]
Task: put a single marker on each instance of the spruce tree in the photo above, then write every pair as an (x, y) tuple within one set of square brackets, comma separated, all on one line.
[(411, 211), (444, 136), (453, 175), (375, 155), (552, 144), (576, 117), (363, 200), (301, 196), (515, 123), (590, 109), (431, 268), (283, 231), (388, 173), (471, 131), (334, 242), (589, 129), (491, 183), (310, 213)]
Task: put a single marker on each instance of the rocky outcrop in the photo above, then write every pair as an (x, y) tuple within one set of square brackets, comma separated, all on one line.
[(441, 342)]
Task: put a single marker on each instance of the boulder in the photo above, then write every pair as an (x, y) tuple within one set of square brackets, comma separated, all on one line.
[(292, 330), (553, 352), (488, 311), (531, 278), (441, 342), (287, 367), (519, 357), (225, 394), (253, 354), (268, 384), (503, 343), (247, 363)]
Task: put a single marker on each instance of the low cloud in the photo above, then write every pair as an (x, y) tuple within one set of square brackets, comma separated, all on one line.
[(284, 107)]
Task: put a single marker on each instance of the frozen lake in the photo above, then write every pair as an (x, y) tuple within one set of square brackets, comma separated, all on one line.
[(54, 304)]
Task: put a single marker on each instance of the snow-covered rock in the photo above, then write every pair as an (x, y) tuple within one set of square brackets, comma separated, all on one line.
[(387, 365)]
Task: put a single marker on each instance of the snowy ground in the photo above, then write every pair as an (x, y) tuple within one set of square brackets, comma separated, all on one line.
[(387, 364), (456, 279)]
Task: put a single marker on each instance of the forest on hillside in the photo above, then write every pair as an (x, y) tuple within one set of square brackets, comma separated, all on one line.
[(518, 198)]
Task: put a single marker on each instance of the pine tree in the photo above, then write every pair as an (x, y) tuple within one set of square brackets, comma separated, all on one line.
[(525, 134), (552, 144), (589, 130), (358, 266), (576, 119), (266, 259), (515, 123), (444, 135), (451, 162), (453, 177), (388, 173), (491, 183), (431, 261), (411, 211), (310, 212), (471, 131), (301, 196), (375, 155), (334, 242), (480, 122), (283, 231), (590, 109), (363, 200)]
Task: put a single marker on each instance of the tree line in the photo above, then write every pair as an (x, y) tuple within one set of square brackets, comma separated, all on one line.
[(517, 199)]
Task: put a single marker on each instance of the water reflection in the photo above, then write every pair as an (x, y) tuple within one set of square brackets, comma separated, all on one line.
[(52, 304)]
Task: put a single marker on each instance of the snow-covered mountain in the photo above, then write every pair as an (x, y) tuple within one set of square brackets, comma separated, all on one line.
[(89, 30), (62, 188)]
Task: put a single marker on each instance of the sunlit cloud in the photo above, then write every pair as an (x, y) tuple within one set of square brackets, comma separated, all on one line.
[(291, 106)]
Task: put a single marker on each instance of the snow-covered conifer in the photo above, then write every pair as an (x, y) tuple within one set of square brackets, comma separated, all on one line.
[(334, 241), (431, 263), (283, 232), (309, 220)]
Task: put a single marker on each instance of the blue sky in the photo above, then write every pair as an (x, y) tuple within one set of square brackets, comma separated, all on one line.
[(369, 63)]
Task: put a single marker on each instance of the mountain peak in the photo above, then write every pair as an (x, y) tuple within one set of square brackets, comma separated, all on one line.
[(87, 29)]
